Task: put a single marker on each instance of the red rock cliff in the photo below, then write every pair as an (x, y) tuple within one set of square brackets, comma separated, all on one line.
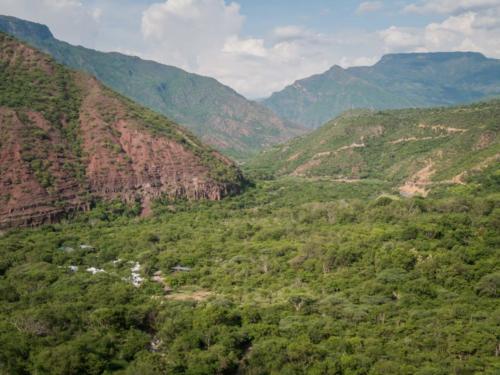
[(116, 150)]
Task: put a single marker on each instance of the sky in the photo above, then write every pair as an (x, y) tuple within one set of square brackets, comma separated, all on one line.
[(260, 46)]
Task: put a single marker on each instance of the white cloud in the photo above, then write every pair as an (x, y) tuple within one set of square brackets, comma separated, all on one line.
[(290, 32), (185, 32), (468, 31), (450, 6), (68, 19), (469, 25), (400, 38), (346, 62), (204, 36), (249, 47), (369, 6), (201, 36)]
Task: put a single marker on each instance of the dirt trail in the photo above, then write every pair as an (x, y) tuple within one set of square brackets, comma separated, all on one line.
[(300, 170), (315, 160), (459, 179), (417, 184), (180, 295), (410, 139), (321, 154), (158, 278), (353, 145), (331, 179), (448, 129)]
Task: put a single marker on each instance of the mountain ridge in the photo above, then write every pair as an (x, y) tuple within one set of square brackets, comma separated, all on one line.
[(401, 80), (213, 111)]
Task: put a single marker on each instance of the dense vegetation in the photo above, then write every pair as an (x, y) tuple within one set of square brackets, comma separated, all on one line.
[(329, 273), (291, 277), (396, 81), (212, 111)]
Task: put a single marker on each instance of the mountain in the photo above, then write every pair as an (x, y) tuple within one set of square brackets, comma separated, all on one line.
[(213, 111), (413, 149), (396, 81), (67, 140)]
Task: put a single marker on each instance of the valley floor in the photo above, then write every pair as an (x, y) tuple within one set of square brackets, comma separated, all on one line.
[(292, 277)]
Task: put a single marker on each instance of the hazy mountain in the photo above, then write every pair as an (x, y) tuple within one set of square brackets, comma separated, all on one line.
[(213, 111), (396, 81), (66, 140)]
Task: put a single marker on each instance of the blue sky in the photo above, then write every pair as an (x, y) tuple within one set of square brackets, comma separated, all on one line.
[(260, 46), (323, 15)]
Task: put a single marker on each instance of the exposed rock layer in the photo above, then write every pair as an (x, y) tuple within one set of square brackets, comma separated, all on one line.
[(115, 149)]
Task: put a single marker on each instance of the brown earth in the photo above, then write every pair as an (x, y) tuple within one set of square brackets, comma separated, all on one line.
[(417, 184), (316, 161), (410, 139), (24, 199), (302, 169)]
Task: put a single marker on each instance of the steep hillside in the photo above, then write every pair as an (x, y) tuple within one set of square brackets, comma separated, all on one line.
[(214, 112), (396, 81), (413, 148), (65, 140)]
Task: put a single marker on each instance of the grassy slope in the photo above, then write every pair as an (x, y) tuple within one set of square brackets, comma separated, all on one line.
[(397, 144)]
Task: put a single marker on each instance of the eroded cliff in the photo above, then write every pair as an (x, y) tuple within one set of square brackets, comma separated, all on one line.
[(66, 140)]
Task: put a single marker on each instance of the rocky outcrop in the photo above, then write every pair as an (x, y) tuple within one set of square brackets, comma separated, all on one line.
[(58, 160)]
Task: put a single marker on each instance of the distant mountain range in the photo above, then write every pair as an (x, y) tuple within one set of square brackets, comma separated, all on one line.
[(66, 141), (213, 111), (413, 149), (396, 81)]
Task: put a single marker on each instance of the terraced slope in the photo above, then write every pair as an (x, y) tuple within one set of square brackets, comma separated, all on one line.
[(413, 148), (66, 140)]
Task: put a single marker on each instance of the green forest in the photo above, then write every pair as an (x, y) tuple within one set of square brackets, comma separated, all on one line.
[(290, 277), (369, 246)]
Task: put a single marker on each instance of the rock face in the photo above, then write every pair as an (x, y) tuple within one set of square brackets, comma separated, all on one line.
[(66, 140)]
